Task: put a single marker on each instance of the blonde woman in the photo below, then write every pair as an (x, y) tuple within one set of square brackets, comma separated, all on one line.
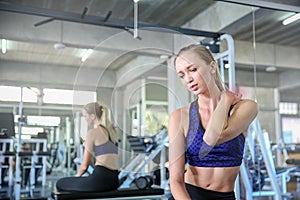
[(208, 134), (101, 142)]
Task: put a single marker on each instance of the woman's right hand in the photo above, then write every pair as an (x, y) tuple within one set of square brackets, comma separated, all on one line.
[(232, 98)]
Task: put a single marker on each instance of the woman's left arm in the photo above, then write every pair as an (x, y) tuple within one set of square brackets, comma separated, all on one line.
[(87, 155)]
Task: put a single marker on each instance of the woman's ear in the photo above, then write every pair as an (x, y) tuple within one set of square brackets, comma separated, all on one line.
[(93, 116), (213, 66)]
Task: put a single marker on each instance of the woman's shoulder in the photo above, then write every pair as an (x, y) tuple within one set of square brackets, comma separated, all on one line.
[(180, 115), (181, 111), (248, 102), (246, 105), (91, 132)]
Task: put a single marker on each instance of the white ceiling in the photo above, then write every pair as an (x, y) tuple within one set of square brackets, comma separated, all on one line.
[(33, 27)]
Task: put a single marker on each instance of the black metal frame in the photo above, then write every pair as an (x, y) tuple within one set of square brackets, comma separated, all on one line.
[(100, 21)]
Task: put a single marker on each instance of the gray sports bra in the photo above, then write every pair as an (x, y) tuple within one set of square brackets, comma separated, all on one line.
[(107, 148)]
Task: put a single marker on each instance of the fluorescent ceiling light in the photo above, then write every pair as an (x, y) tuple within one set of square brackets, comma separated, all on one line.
[(291, 19), (86, 55), (271, 69), (3, 46)]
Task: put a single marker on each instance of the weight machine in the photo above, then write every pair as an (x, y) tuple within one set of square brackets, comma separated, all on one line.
[(277, 179), (6, 160), (256, 180), (144, 153)]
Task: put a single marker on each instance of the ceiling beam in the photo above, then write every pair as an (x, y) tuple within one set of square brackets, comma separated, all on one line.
[(266, 4), (100, 21)]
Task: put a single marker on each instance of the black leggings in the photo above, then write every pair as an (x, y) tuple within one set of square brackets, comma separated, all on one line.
[(102, 179), (197, 193)]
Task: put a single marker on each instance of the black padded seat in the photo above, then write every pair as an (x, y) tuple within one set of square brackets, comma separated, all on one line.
[(119, 193)]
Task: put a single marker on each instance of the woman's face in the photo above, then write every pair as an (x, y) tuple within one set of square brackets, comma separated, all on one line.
[(194, 73), (89, 118)]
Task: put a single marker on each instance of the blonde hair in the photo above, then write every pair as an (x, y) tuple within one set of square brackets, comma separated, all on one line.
[(206, 55), (102, 115)]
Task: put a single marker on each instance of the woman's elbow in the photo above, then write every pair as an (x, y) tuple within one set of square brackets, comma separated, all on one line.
[(253, 107), (83, 167)]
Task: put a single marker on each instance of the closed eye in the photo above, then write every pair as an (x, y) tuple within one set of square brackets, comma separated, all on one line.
[(181, 75), (193, 69)]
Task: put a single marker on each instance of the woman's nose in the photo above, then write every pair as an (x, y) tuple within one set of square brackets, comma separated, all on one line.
[(188, 78)]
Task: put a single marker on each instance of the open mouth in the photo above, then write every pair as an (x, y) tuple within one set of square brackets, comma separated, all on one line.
[(194, 87)]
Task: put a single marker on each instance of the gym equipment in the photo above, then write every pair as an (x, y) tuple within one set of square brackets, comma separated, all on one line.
[(33, 161), (17, 185), (143, 182), (7, 125), (142, 144), (124, 193), (6, 160), (221, 58), (255, 134), (146, 153), (130, 174), (7, 131), (37, 155)]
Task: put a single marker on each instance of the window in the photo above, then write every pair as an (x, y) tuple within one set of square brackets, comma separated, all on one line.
[(291, 130), (30, 95), (156, 117), (43, 120), (9, 93), (288, 108), (53, 96), (58, 96)]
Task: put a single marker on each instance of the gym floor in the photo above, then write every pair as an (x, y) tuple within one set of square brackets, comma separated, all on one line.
[(44, 192), (40, 192)]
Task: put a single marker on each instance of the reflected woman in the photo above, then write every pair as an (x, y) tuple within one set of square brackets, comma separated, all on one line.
[(101, 142)]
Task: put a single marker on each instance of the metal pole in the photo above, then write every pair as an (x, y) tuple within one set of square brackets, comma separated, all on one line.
[(18, 161), (279, 142), (135, 19), (68, 130), (231, 71)]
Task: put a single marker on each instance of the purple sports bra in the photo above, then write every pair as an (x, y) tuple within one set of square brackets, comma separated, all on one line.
[(200, 154)]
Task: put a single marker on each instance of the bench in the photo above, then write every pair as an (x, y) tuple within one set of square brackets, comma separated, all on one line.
[(121, 193)]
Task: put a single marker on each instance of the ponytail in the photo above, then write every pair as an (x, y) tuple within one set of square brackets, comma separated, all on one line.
[(103, 116), (105, 120)]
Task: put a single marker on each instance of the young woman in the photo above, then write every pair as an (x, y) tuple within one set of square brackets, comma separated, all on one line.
[(101, 142), (208, 134)]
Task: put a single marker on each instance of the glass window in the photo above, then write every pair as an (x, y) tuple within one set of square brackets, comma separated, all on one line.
[(43, 120), (30, 94), (288, 108), (9, 93), (156, 118), (84, 97), (291, 130), (58, 96)]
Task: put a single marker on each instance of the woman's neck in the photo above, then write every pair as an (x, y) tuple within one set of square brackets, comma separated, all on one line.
[(97, 123), (210, 98)]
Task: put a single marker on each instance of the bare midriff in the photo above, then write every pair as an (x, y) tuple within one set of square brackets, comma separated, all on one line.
[(107, 160), (221, 179)]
